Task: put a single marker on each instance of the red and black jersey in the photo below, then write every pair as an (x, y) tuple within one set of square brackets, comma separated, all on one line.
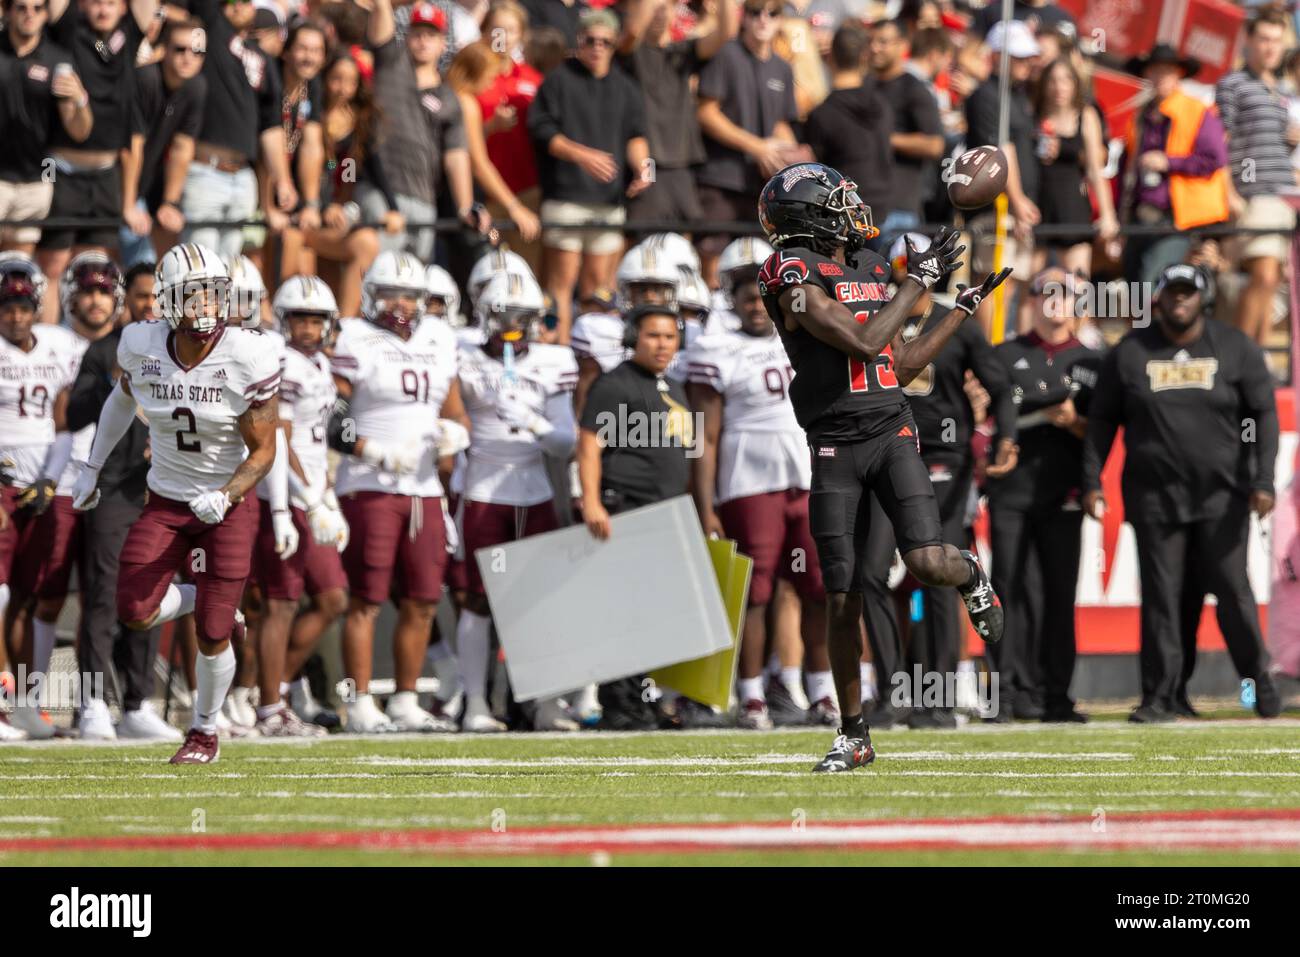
[(837, 399)]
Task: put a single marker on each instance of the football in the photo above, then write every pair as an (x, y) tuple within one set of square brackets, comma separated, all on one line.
[(977, 177)]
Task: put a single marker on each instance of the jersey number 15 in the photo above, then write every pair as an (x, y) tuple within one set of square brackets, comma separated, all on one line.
[(885, 377)]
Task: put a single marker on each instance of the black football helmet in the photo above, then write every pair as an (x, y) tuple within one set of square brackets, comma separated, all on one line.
[(811, 204)]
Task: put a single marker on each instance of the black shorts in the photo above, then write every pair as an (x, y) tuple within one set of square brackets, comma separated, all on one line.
[(98, 195), (844, 477), (673, 197), (723, 206)]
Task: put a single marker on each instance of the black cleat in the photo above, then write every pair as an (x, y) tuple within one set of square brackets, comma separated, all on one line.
[(1268, 701), (885, 716), (1066, 714), (1151, 714), (782, 707), (847, 753), (925, 719), (1183, 706), (982, 602)]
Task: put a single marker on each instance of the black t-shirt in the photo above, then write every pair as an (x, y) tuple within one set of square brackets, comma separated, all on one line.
[(755, 95), (645, 425), (943, 414), (849, 130), (161, 114), (446, 122), (106, 66), (601, 112), (1050, 468), (982, 128), (837, 400), (126, 469), (243, 85), (30, 111), (664, 75), (915, 111), (1200, 423), (556, 13)]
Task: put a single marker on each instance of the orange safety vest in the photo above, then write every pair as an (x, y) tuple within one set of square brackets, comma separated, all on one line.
[(1196, 200)]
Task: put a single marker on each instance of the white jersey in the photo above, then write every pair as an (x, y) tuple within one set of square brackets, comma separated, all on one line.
[(599, 336), (398, 388), (307, 395), (762, 448), (30, 382), (74, 348), (193, 413), (274, 342), (505, 467)]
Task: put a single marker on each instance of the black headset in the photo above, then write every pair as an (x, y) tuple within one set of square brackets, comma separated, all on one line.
[(632, 322)]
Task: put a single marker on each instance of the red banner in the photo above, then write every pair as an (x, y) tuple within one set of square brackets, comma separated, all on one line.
[(1210, 32), (1122, 28)]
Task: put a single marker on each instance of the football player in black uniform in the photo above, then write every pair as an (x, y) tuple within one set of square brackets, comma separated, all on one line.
[(841, 332)]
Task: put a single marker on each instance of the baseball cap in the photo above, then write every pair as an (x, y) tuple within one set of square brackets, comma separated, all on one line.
[(1183, 274), (1016, 37), (429, 15)]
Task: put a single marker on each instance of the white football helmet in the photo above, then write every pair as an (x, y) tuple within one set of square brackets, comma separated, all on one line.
[(90, 271), (247, 291), (511, 301), (440, 285), (498, 260), (191, 284), (391, 275), (21, 278), (305, 294), (676, 248), (693, 292), (646, 265), (747, 252)]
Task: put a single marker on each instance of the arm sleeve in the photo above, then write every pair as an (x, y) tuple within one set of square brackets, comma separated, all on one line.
[(1105, 414), (114, 420), (559, 441), (191, 124), (1259, 400), (277, 480), (925, 110), (57, 456), (543, 114), (346, 362), (714, 80), (993, 375), (89, 391), (1209, 151), (602, 400), (268, 97)]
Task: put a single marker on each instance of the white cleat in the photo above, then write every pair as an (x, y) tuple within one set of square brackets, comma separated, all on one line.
[(364, 717), (9, 733), (753, 716), (285, 724), (96, 723), (34, 721), (239, 709), (478, 717), (586, 707), (551, 715), (145, 724), (227, 728), (406, 715)]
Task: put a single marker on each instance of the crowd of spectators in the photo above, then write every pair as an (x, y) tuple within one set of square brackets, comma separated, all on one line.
[(311, 135)]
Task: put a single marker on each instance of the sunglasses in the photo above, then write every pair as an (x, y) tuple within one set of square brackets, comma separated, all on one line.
[(601, 42)]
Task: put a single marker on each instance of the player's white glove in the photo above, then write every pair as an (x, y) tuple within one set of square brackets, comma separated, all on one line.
[(518, 414), (402, 460), (286, 535), (328, 527), (930, 265), (452, 437), (331, 501), (85, 491), (211, 507)]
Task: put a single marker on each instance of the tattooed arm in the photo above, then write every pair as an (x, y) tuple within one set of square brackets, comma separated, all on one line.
[(257, 425)]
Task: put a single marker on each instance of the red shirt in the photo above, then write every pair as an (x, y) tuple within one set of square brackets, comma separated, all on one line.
[(511, 152)]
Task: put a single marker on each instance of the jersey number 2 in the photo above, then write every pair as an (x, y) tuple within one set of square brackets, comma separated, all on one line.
[(885, 377), (181, 443)]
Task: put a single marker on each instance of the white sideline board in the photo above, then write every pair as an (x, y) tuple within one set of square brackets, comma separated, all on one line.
[(571, 610)]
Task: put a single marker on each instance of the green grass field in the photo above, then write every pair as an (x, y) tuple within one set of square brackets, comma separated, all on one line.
[(1108, 793)]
